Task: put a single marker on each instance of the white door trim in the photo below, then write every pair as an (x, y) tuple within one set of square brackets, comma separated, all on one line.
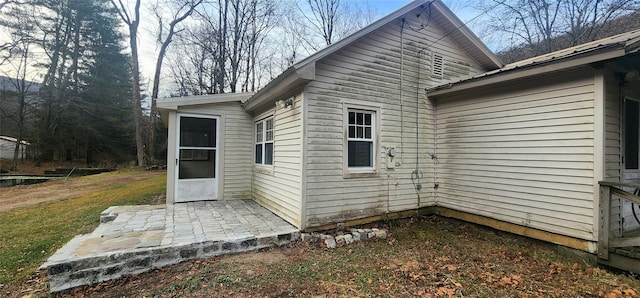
[(210, 191)]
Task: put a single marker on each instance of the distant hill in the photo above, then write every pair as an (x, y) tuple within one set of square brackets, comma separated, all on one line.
[(7, 85), (9, 105), (620, 25)]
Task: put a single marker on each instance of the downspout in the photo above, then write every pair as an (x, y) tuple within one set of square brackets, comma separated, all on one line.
[(401, 91)]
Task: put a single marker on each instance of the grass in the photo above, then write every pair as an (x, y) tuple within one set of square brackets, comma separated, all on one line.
[(29, 235)]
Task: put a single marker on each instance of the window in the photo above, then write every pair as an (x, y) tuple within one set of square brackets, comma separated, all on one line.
[(360, 139), (264, 142)]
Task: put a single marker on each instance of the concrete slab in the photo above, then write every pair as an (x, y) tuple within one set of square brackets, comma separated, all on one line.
[(134, 239)]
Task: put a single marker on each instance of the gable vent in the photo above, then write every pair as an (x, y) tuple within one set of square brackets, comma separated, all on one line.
[(436, 65)]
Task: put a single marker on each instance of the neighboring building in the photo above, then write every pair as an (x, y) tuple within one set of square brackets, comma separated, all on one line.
[(349, 134), (8, 147)]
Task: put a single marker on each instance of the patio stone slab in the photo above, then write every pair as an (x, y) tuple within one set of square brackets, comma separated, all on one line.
[(135, 239)]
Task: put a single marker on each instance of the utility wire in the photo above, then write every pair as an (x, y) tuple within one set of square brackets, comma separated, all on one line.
[(463, 24)]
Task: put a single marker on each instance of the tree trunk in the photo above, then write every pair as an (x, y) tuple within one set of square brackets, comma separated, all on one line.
[(137, 108)]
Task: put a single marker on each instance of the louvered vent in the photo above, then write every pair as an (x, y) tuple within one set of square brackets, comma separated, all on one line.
[(436, 65)]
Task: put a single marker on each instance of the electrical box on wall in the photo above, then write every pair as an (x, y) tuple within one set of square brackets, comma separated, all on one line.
[(391, 154)]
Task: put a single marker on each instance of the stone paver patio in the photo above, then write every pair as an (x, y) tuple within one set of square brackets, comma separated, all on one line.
[(135, 239)]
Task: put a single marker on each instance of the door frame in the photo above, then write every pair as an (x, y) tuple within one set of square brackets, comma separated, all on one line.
[(628, 175), (217, 170)]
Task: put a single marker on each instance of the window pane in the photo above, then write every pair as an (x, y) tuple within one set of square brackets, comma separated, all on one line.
[(352, 118), (201, 165), (360, 154), (367, 132), (186, 154), (359, 118), (268, 153), (269, 124), (360, 133), (269, 136), (259, 132), (197, 132), (631, 125), (259, 153), (367, 119), (352, 131)]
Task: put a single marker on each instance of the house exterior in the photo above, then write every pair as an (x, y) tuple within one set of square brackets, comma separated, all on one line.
[(346, 133), (8, 147), (529, 143), (413, 113)]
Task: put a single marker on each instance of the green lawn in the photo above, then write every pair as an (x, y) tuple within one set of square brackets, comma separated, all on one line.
[(29, 235)]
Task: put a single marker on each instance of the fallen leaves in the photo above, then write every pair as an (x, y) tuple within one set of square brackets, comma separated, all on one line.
[(510, 281), (429, 258), (619, 293)]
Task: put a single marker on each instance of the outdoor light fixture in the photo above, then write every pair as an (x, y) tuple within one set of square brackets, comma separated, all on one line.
[(632, 76), (285, 103)]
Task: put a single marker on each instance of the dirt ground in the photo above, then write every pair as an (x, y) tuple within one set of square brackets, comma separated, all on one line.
[(427, 257), (26, 195)]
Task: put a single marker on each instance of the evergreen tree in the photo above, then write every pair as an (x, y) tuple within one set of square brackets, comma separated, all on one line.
[(104, 101), (82, 112)]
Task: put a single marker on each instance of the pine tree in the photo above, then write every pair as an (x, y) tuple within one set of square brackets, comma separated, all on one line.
[(82, 112)]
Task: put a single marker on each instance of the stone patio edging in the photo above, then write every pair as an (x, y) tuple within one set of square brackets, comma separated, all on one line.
[(95, 269), (343, 238)]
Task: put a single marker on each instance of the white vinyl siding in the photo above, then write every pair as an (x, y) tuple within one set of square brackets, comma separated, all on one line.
[(522, 152), (236, 142), (368, 72), (613, 145), (613, 130), (279, 188)]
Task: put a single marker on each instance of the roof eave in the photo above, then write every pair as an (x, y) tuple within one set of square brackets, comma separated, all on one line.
[(174, 103), (529, 70), (299, 73), (633, 45), (490, 61), (283, 85)]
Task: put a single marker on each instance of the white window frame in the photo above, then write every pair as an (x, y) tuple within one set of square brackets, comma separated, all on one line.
[(369, 171), (264, 137)]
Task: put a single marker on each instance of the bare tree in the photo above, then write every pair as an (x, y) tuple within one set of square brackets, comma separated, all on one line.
[(132, 20), (536, 24), (24, 90), (184, 9), (223, 52), (318, 23), (323, 16), (20, 76)]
